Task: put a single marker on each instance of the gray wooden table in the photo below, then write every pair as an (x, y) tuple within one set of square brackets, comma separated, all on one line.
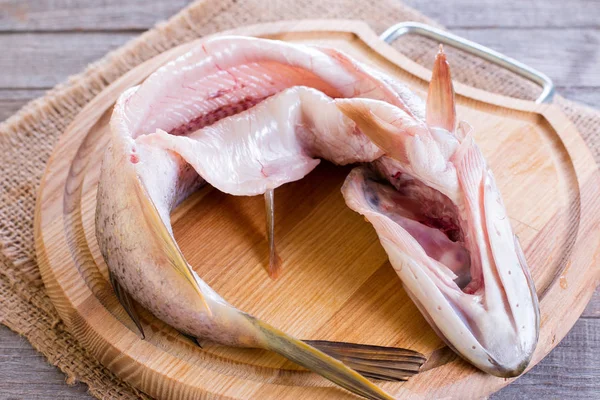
[(44, 41)]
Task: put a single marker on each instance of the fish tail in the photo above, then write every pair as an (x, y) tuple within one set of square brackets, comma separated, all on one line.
[(317, 361), (376, 362)]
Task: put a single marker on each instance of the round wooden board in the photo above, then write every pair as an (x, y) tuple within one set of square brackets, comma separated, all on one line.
[(337, 283)]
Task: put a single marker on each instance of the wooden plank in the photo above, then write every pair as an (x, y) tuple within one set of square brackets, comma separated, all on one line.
[(12, 100), (587, 95), (44, 60), (511, 13), (52, 15), (570, 57), (25, 374), (58, 15), (572, 368), (571, 371), (593, 308)]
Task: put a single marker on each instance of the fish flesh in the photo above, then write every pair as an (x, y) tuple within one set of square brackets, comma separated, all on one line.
[(230, 113), (248, 115)]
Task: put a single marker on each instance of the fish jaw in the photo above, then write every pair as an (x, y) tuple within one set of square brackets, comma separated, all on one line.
[(505, 279)]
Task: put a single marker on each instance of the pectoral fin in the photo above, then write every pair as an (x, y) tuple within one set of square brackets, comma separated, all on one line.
[(389, 127), (193, 339), (164, 239), (127, 303), (376, 362), (274, 259)]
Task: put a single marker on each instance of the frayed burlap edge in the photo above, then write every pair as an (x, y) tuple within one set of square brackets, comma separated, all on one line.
[(27, 138)]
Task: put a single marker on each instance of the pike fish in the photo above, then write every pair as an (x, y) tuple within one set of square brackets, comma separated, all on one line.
[(248, 115)]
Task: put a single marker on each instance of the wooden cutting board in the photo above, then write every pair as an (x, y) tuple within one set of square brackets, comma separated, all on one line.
[(337, 283)]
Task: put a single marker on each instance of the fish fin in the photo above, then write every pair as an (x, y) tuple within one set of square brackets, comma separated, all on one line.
[(316, 361), (274, 259), (372, 117), (377, 362), (463, 130), (441, 109), (127, 303), (163, 236), (462, 149), (193, 339)]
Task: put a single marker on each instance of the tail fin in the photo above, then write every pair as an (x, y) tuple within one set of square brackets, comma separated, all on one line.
[(317, 361), (376, 362)]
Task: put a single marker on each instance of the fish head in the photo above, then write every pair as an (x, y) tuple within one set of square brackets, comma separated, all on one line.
[(439, 215)]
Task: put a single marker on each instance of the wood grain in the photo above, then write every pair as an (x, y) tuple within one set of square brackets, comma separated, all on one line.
[(11, 100), (38, 380), (516, 14), (98, 15), (582, 94), (556, 224), (593, 308), (569, 372), (62, 15), (41, 61), (57, 15), (567, 65)]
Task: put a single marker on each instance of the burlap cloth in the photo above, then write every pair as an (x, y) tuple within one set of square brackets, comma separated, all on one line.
[(27, 138)]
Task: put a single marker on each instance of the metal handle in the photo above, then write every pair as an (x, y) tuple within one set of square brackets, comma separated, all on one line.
[(394, 32)]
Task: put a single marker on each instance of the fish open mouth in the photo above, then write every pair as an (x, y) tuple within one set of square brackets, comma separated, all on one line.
[(427, 215)]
